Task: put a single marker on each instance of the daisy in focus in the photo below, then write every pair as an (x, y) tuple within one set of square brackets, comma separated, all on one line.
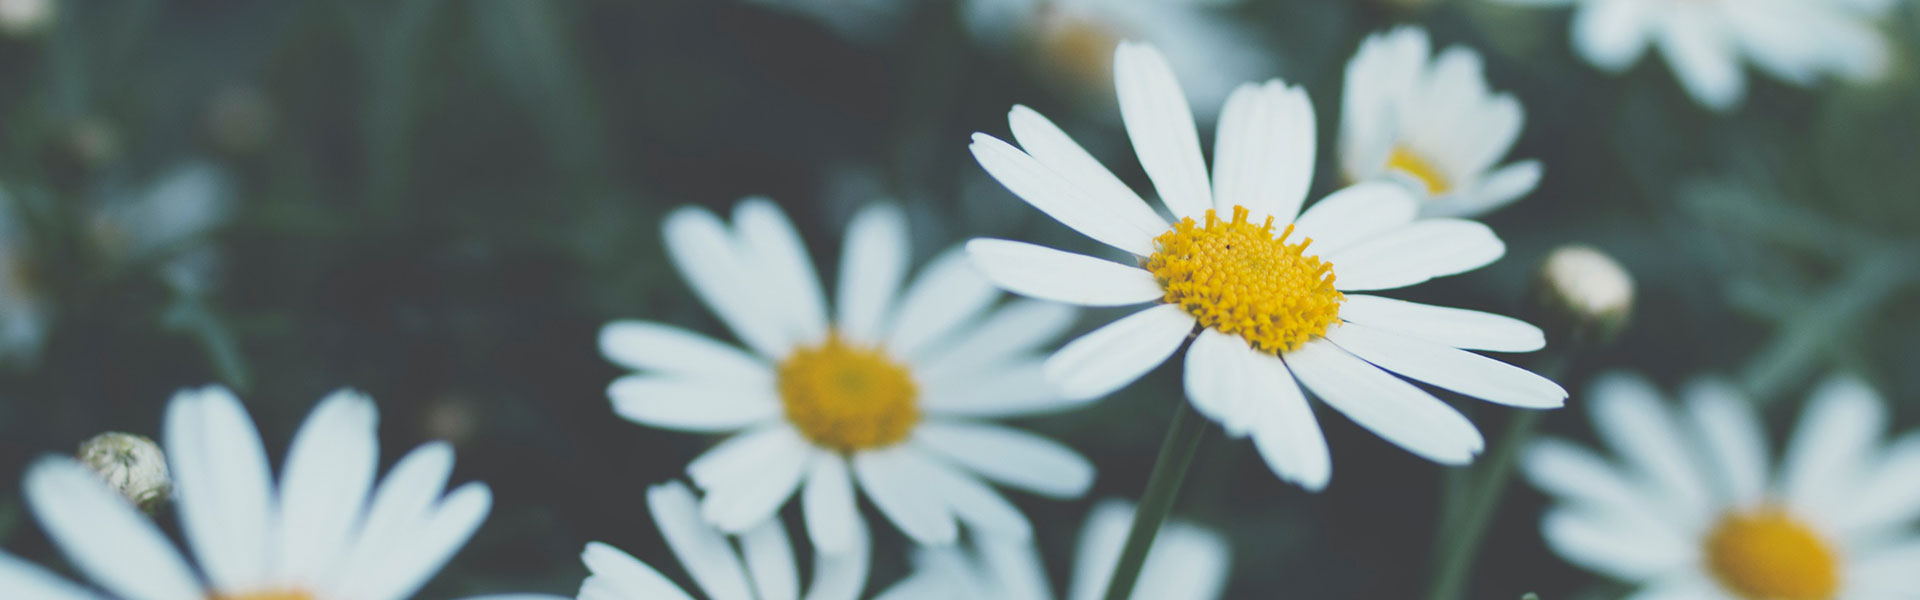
[(325, 532), (762, 568), (1704, 41), (1690, 509), (1251, 279), (1186, 562), (1430, 123), (885, 394)]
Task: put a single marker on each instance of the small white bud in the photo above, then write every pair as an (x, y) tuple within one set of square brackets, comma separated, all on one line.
[(133, 465), (1586, 290)]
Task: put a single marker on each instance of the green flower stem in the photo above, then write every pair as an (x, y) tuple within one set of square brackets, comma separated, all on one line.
[(1163, 485)]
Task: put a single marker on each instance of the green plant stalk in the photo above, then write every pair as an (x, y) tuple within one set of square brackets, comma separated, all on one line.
[(1163, 486)]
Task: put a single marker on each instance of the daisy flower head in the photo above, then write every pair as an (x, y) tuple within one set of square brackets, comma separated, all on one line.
[(1430, 123), (885, 395), (1251, 279), (762, 568), (1704, 41), (324, 532), (1691, 509), (1186, 562)]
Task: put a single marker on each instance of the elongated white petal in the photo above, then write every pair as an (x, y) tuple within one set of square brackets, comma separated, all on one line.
[(1009, 389), (1415, 253), (1049, 274), (1842, 423), (693, 404), (103, 536), (1703, 59), (649, 346), (1733, 437), (30, 581), (767, 237), (872, 265), (402, 501), (1889, 495), (948, 292), (1047, 144), (1581, 478), (1219, 381), (1612, 546), (1354, 214), (1184, 561), (1455, 327), (1284, 428), (901, 494), (1612, 35), (1005, 335), (739, 504), (769, 557), (1113, 356), (1630, 416), (1059, 198), (828, 505), (428, 546), (1010, 456), (1386, 405), (703, 252), (1495, 190), (324, 485), (741, 456), (842, 576), (1264, 152), (1161, 126), (702, 550), (1457, 370), (225, 493), (975, 503), (626, 576)]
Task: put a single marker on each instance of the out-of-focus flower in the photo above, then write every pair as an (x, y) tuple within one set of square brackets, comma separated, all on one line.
[(325, 531), (1430, 123), (167, 222), (883, 395), (1704, 41), (1070, 42), (1186, 562), (133, 465), (1690, 510), (26, 18), (1581, 289), (240, 119), (768, 571), (1256, 295), (25, 312)]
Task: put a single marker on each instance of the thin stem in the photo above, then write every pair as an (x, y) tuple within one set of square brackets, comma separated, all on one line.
[(1163, 485)]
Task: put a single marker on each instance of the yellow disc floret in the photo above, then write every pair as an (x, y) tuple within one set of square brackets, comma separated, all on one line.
[(1239, 278), (1417, 166), (848, 398), (1767, 555)]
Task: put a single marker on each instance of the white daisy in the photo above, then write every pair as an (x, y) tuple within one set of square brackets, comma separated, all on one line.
[(1186, 562), (763, 568), (1797, 41), (1260, 292), (1071, 42), (326, 532), (1689, 509), (885, 394), (167, 223), (1430, 123)]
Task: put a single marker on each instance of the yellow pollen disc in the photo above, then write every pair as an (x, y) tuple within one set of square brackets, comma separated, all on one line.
[(1429, 174), (1767, 555), (1239, 278), (266, 595), (848, 398)]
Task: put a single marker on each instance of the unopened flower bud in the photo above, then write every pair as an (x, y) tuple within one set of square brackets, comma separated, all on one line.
[(1582, 292), (133, 465)]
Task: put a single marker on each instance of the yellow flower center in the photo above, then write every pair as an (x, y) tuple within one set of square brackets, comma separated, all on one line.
[(1239, 278), (848, 398), (266, 595), (1429, 174), (1767, 555)]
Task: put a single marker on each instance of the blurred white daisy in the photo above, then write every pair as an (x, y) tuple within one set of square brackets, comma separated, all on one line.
[(1186, 562), (763, 568), (1704, 41), (1250, 278), (1430, 122), (885, 394), (326, 532), (1071, 42), (1690, 510), (166, 224)]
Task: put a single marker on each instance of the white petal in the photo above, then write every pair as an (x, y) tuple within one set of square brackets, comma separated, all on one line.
[(103, 536), (842, 576), (704, 254), (702, 550), (1264, 152), (872, 265), (1455, 327), (1415, 253), (1007, 334), (225, 494), (1630, 416), (1612, 35), (1581, 479), (1495, 190), (1355, 214), (1386, 405), (649, 346), (1010, 389), (1016, 566), (1886, 573), (428, 546), (1049, 274), (1219, 381), (1183, 562), (1047, 144), (401, 502), (1010, 456), (1704, 60), (741, 457), (1284, 428), (30, 581), (1844, 420), (1611, 546), (1457, 370), (1889, 497), (626, 575), (329, 470), (1161, 126), (1731, 433), (693, 404), (829, 507), (769, 557), (1681, 584), (1059, 198), (898, 490), (739, 504), (948, 292), (1111, 357), (973, 502), (767, 237)]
